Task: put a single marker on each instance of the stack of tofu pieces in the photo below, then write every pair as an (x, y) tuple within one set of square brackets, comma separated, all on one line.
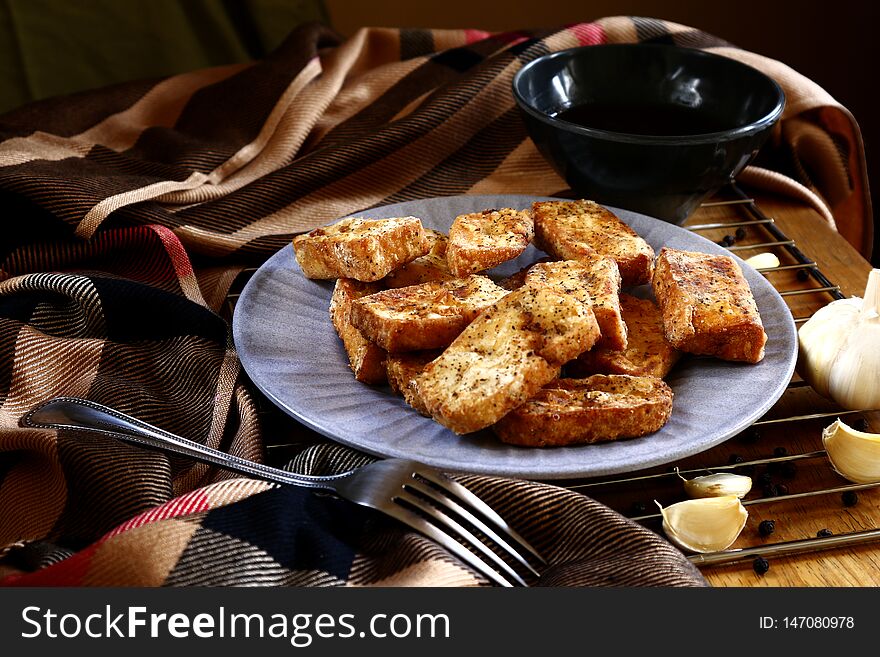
[(557, 354)]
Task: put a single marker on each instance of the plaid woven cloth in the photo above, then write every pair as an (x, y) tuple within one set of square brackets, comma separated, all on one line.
[(130, 210)]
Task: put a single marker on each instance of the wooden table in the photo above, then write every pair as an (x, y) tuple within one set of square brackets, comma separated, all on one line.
[(794, 519)]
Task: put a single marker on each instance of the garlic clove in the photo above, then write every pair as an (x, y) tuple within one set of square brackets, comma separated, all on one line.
[(763, 261), (854, 455), (707, 524), (718, 485)]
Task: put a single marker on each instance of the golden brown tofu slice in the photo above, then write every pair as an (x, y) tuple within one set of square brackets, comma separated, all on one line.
[(582, 411), (571, 229), (594, 279), (504, 357), (481, 240), (647, 352), (366, 359), (707, 306), (402, 369), (430, 267), (362, 249), (425, 316)]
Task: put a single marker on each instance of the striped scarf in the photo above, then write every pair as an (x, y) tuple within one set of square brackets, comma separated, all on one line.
[(131, 210)]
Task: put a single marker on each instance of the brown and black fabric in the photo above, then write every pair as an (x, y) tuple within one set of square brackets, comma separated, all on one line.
[(127, 213)]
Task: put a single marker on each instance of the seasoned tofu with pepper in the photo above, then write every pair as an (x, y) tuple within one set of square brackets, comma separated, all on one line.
[(367, 360), (707, 306), (504, 357), (583, 411), (647, 352), (425, 316), (362, 249), (481, 240), (569, 230), (430, 267), (593, 279)]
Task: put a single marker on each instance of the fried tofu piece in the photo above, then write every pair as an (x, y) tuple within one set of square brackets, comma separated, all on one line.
[(582, 411), (481, 240), (402, 369), (366, 359), (707, 306), (430, 267), (425, 316), (594, 279), (571, 229), (504, 357), (518, 278), (362, 249), (647, 352)]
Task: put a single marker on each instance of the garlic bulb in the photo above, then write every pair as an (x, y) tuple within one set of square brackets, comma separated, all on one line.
[(840, 349), (718, 485), (855, 455), (763, 261), (708, 524)]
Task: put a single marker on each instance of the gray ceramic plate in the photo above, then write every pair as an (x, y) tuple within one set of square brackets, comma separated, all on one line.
[(288, 347)]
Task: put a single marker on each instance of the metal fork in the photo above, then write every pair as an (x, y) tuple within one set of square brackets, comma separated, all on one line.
[(416, 495)]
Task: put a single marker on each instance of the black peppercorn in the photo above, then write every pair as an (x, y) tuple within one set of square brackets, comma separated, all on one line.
[(733, 459), (740, 233), (639, 508), (850, 498), (822, 533), (861, 424), (782, 489), (780, 451), (761, 565), (788, 470), (767, 527), (770, 490), (765, 478), (750, 435), (802, 274)]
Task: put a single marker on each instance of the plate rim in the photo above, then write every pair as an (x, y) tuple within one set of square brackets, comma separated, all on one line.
[(558, 474)]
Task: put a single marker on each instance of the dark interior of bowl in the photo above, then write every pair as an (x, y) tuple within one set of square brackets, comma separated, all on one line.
[(650, 128), (701, 92)]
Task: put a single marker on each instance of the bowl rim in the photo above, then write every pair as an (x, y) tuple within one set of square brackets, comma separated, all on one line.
[(624, 137)]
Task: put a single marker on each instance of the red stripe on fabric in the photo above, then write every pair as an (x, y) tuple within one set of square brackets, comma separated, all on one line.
[(193, 502), (471, 36), (179, 258), (512, 37), (588, 34), (69, 572)]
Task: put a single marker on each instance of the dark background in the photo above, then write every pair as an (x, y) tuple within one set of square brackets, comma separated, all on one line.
[(49, 47), (833, 43)]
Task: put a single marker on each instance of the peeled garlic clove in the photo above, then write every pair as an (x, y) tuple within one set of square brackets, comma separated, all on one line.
[(763, 261), (855, 455), (707, 524), (718, 485)]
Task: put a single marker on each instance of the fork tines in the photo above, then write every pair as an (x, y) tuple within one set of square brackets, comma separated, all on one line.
[(436, 505)]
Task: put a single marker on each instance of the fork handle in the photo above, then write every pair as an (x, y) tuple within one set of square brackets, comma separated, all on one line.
[(75, 413)]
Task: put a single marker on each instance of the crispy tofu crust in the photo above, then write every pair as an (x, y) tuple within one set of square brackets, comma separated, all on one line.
[(568, 230), (402, 369), (504, 357), (430, 267), (362, 249), (481, 240), (366, 359), (582, 411), (593, 279), (425, 316), (707, 306), (647, 352)]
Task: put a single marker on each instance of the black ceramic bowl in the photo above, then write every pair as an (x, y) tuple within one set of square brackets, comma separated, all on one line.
[(652, 128)]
